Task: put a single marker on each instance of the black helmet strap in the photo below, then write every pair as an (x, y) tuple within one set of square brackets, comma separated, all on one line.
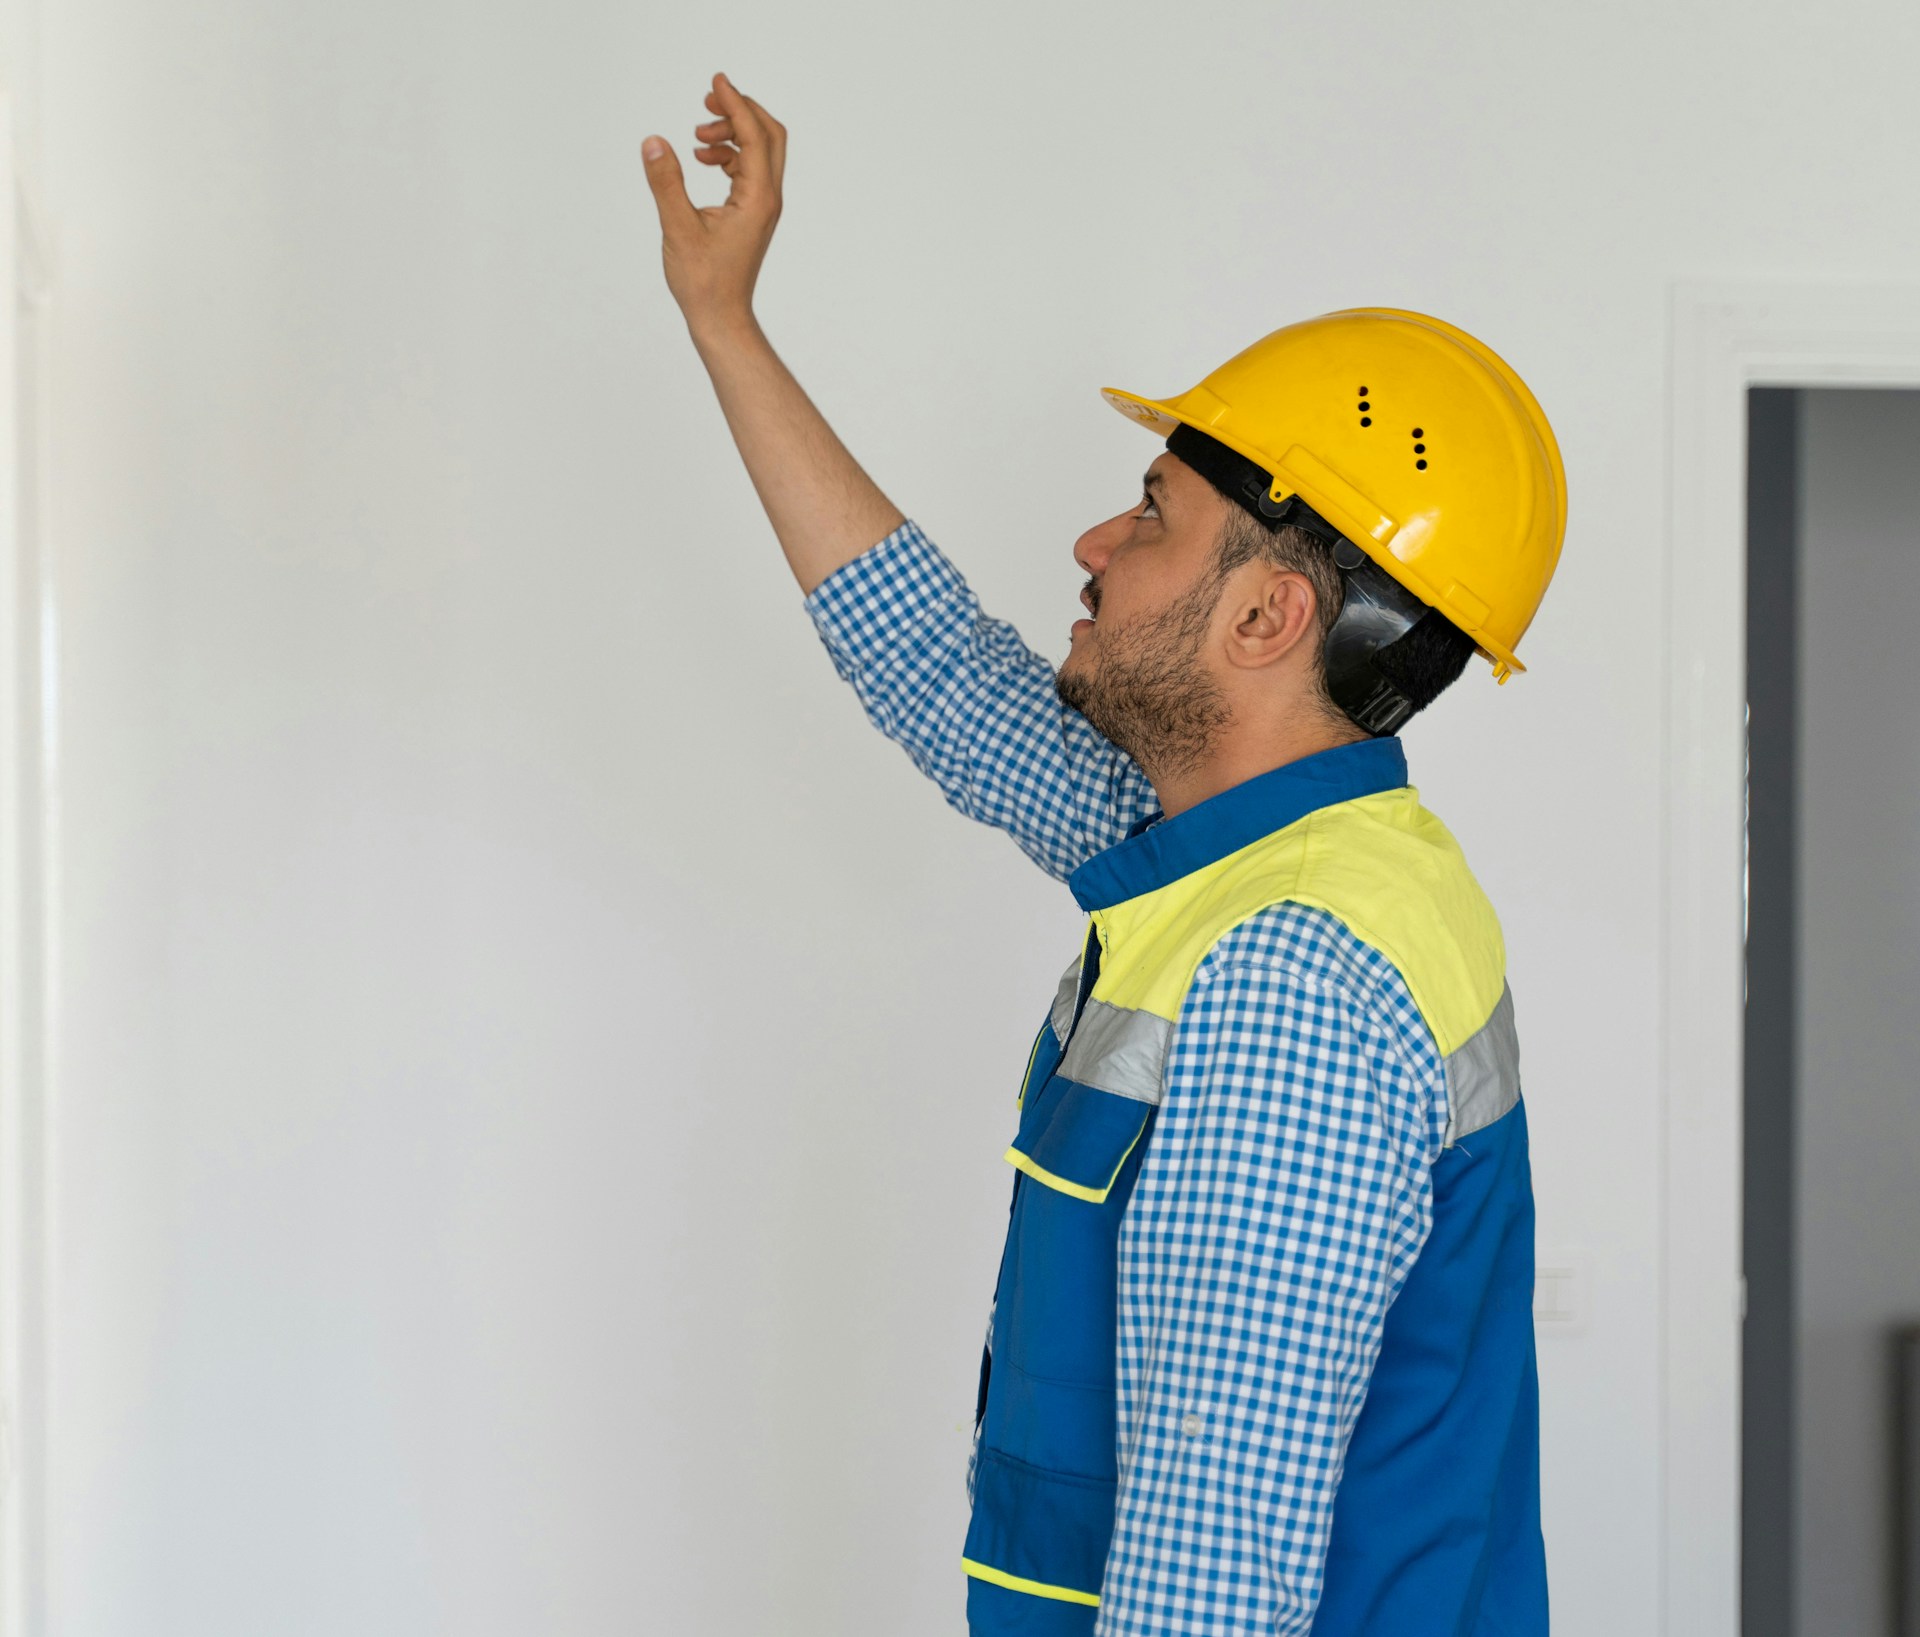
[(1246, 484), (1375, 609)]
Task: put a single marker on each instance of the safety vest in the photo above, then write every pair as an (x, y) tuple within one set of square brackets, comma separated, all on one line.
[(1436, 1520)]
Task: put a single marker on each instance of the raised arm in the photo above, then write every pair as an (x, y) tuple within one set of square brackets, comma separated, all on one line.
[(963, 695), (823, 508)]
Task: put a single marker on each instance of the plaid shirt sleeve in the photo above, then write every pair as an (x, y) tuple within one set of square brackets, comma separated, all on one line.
[(973, 705), (1284, 1195)]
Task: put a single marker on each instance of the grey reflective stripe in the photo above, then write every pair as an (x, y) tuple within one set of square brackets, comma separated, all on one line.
[(1119, 1050), (1063, 999), (1483, 1076)]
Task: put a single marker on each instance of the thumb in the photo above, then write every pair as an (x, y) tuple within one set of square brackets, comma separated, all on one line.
[(677, 214)]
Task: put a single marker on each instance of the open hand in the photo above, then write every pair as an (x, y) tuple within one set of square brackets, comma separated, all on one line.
[(713, 255)]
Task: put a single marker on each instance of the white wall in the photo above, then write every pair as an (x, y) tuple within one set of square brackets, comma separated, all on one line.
[(535, 1065), (1858, 1251)]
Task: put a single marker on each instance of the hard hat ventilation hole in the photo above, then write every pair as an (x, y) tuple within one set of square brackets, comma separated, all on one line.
[(1419, 449), (1365, 418)]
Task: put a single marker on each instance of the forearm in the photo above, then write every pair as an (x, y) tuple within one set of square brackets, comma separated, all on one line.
[(824, 509), (971, 703)]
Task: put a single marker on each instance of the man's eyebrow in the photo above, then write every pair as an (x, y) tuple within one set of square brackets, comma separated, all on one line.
[(1149, 479)]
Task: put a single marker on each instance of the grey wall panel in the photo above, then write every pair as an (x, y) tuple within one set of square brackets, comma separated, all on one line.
[(1767, 1351)]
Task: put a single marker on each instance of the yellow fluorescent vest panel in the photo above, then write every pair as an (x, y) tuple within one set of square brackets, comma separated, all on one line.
[(1382, 865)]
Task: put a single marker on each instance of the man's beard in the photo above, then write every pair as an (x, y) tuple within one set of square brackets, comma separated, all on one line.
[(1146, 689)]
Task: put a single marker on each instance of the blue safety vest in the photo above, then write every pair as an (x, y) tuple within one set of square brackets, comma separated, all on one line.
[(1436, 1523)]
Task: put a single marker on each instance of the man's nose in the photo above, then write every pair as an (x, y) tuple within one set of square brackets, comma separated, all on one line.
[(1093, 548)]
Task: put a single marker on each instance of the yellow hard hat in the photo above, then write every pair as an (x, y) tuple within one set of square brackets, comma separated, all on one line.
[(1414, 440)]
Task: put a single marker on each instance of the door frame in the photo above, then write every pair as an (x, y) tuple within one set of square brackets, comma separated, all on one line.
[(1724, 337), (29, 833)]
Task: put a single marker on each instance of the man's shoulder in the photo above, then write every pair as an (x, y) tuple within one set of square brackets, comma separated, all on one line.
[(1291, 947), (1291, 993), (1296, 939)]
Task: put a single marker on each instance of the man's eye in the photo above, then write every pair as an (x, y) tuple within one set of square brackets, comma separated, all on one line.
[(1147, 505)]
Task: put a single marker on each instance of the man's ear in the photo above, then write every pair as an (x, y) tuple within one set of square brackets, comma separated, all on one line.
[(1277, 612)]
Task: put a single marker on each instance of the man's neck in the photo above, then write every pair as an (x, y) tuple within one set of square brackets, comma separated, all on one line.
[(1243, 758)]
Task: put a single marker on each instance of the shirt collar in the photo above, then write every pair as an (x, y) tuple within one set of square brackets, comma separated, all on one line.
[(1158, 850)]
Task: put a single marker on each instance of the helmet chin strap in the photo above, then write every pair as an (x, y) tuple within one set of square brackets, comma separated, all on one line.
[(1375, 609)]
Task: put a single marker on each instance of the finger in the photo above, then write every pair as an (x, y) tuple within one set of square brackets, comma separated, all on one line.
[(715, 131), (773, 125), (755, 141), (776, 135), (664, 176), (717, 155)]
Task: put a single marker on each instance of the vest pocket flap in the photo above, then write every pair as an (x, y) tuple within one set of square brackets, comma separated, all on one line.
[(1086, 1138)]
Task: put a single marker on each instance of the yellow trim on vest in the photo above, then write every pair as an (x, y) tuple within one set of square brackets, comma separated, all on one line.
[(1382, 865), (1093, 1196), (1066, 1594), (1039, 1173)]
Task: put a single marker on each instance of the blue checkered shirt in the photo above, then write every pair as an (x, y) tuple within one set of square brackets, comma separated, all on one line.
[(1287, 1189)]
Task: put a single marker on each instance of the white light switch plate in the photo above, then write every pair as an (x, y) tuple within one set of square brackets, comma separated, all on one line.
[(1562, 1282)]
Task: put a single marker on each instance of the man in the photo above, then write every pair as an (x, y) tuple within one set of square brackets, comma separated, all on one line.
[(1260, 1357)]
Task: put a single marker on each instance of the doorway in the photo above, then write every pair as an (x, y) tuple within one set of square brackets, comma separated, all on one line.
[(1830, 1240)]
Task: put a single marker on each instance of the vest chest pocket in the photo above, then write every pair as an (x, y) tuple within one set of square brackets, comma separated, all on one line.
[(1102, 1096), (1081, 1141)]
